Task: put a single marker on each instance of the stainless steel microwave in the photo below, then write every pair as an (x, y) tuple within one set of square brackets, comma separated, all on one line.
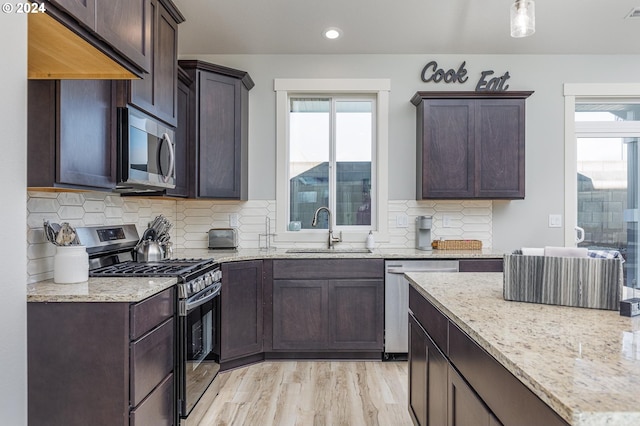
[(146, 152)]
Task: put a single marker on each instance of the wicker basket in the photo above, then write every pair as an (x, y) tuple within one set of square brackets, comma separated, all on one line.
[(457, 244)]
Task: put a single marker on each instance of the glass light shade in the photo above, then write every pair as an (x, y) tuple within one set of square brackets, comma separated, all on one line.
[(523, 18)]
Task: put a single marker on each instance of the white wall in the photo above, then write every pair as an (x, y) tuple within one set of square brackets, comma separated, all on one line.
[(515, 223), (13, 246)]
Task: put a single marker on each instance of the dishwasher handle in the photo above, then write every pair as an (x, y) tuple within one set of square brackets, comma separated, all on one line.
[(405, 270)]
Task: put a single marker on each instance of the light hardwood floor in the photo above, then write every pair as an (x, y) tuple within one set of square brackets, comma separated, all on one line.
[(315, 393)]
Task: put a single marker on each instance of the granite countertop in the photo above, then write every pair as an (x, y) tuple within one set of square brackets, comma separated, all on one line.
[(584, 363), (98, 290), (252, 254), (136, 289)]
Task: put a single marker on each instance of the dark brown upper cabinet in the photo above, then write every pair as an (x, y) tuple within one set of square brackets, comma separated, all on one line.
[(121, 29), (470, 145), (156, 92), (182, 136), (71, 134), (218, 130)]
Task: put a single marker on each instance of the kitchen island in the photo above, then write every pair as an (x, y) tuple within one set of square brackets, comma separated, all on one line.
[(582, 363)]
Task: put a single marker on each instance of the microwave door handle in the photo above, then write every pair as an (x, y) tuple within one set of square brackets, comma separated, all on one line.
[(172, 157)]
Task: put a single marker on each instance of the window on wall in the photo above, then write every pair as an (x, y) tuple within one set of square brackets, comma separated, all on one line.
[(332, 146)]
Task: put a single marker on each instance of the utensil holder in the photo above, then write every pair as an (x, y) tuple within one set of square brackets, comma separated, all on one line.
[(70, 265)]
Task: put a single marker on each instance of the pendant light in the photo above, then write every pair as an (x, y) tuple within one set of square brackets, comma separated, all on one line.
[(523, 18)]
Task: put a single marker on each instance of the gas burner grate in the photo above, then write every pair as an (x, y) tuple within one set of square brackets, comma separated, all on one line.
[(165, 268)]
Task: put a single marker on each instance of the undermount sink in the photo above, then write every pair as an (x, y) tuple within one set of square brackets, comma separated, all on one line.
[(328, 250)]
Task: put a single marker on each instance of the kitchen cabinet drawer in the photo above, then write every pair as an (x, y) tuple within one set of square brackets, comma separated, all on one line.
[(328, 268), (158, 408), (480, 265), (429, 317), (151, 361), (151, 312)]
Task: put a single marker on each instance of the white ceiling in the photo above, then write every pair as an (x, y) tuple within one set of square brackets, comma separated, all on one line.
[(404, 27)]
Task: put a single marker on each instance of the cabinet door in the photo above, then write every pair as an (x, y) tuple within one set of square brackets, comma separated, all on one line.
[(181, 142), (300, 314), (499, 148), (219, 149), (356, 313), (84, 11), (241, 309), (417, 373), (448, 148), (86, 140), (156, 91), (126, 25), (428, 372), (465, 407)]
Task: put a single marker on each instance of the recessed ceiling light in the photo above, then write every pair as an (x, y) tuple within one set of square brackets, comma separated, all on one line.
[(332, 33)]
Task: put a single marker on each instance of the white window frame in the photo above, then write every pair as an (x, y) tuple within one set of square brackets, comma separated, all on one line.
[(585, 92), (380, 88)]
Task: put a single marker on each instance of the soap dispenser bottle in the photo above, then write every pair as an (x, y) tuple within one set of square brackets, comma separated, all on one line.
[(370, 242)]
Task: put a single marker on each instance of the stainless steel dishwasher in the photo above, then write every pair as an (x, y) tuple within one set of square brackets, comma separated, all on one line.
[(396, 301)]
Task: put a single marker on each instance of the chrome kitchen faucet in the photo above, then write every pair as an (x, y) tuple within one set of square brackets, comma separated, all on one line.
[(332, 240)]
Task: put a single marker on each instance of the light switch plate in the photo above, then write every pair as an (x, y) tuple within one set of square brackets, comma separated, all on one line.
[(446, 221), (555, 221), (402, 221)]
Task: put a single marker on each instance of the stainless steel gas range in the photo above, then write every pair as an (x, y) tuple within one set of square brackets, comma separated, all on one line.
[(197, 349)]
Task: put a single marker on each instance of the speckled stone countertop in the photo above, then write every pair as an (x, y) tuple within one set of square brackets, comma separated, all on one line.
[(252, 254), (136, 289), (98, 290), (584, 363)]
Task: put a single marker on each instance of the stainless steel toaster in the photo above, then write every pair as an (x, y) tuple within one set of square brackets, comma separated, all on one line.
[(223, 238)]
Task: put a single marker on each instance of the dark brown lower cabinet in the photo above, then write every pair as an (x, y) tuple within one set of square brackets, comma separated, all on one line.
[(328, 305), (457, 383), (428, 372), (241, 309), (98, 363), (465, 407), (300, 314)]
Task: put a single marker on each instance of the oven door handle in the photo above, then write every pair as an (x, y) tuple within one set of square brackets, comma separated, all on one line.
[(200, 298)]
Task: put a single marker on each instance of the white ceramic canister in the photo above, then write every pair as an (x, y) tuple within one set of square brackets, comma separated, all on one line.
[(70, 265)]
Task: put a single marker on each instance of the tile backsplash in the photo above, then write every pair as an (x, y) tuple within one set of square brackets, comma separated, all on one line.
[(193, 218)]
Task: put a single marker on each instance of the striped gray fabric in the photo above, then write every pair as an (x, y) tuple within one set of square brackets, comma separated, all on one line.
[(580, 282)]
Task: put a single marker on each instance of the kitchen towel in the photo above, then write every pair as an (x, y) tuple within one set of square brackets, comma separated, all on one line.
[(565, 251)]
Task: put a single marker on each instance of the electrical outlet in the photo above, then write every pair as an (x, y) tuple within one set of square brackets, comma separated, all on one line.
[(233, 220), (446, 221)]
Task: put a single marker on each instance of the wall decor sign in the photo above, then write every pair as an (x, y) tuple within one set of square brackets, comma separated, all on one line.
[(431, 73)]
